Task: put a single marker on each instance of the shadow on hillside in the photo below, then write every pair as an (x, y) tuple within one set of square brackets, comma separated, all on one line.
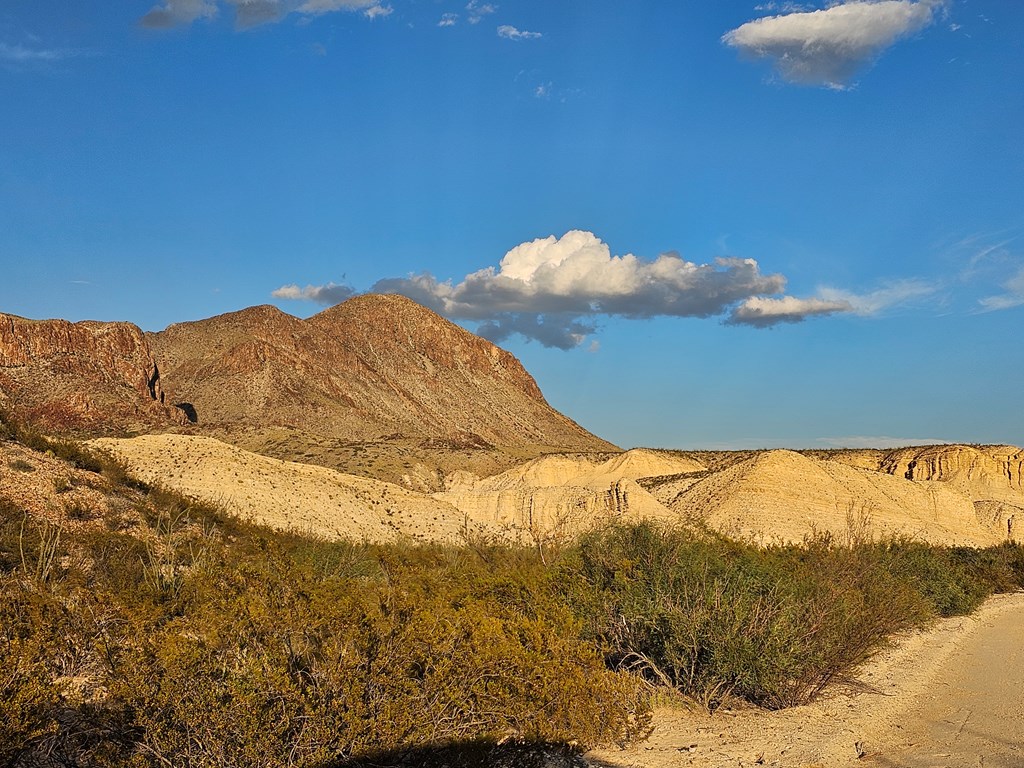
[(473, 755)]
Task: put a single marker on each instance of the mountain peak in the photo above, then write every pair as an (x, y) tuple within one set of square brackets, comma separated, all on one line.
[(374, 367)]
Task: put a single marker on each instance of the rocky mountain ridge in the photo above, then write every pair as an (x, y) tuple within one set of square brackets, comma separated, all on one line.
[(373, 368), (61, 376)]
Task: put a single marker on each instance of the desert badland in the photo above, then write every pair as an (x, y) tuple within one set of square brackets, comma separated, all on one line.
[(378, 422)]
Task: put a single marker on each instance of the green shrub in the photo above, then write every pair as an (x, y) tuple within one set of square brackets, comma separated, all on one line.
[(28, 696), (278, 662), (714, 618)]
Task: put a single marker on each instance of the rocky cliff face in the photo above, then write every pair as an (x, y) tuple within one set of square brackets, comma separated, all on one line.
[(374, 368), (986, 470), (89, 376)]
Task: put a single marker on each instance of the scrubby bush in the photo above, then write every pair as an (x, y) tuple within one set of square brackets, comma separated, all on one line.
[(28, 697), (191, 638), (278, 664), (713, 618)]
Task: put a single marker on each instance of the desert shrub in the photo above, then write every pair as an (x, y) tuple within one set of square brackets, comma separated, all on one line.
[(994, 569), (279, 665), (12, 517), (30, 548), (713, 618), (938, 574), (28, 696), (69, 450), (1011, 556)]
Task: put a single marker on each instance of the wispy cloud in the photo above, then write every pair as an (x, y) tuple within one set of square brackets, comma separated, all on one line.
[(1012, 295), (476, 10), (765, 311), (378, 11), (448, 20), (25, 55), (511, 33), (175, 13), (827, 47), (897, 293), (251, 13)]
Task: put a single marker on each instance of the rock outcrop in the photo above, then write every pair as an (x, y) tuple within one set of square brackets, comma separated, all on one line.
[(982, 472), (374, 368), (80, 377)]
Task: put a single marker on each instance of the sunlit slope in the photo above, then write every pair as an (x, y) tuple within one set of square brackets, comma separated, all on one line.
[(284, 494), (778, 496)]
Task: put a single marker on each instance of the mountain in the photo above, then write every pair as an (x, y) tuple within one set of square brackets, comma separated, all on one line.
[(88, 377), (376, 368)]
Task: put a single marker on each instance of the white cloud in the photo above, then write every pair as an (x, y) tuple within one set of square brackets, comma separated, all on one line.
[(250, 13), (329, 294), (764, 311), (375, 11), (477, 10), (1013, 296), (553, 289), (828, 47), (448, 20), (325, 6), (176, 12), (511, 33)]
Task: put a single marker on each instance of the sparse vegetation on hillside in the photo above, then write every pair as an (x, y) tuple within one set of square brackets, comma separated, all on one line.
[(188, 638)]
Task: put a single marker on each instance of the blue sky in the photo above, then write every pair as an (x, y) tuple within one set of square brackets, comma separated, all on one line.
[(728, 224)]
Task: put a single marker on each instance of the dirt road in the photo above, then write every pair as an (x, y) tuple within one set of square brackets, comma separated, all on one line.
[(952, 696), (974, 713)]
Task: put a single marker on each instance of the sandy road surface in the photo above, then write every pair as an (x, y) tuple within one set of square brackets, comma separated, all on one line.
[(951, 696), (974, 715)]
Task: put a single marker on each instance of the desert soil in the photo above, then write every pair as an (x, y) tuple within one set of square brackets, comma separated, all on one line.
[(951, 696)]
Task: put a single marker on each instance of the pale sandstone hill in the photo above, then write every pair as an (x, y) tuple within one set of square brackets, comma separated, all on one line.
[(782, 496), (374, 368), (89, 376), (641, 463), (574, 469), (862, 458), (992, 476), (287, 495), (561, 496), (543, 472)]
